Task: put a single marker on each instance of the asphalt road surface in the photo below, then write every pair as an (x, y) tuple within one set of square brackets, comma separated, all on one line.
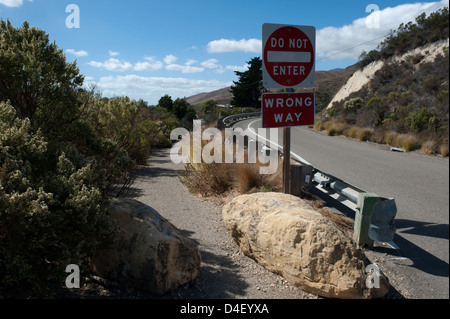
[(420, 186)]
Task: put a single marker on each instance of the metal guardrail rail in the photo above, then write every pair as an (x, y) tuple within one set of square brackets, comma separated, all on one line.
[(356, 197), (227, 120), (321, 178)]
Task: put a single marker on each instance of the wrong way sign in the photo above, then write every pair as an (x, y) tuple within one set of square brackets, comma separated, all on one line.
[(288, 56), (288, 109)]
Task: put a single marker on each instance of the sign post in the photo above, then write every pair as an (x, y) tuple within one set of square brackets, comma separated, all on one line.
[(288, 62)]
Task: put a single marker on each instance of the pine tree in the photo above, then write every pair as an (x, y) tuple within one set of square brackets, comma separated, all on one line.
[(247, 90)]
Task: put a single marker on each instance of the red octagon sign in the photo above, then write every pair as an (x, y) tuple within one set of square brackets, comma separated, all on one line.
[(289, 56)]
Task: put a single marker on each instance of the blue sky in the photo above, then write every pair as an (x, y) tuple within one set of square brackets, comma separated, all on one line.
[(146, 49)]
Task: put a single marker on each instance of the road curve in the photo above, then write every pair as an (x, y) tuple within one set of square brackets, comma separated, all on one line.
[(420, 186)]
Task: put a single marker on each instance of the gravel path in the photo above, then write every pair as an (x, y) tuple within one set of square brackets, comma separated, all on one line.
[(225, 272)]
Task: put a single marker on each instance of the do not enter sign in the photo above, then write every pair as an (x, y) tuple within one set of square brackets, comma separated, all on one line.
[(288, 56)]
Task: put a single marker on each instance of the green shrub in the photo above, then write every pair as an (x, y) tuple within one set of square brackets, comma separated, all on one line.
[(52, 212), (421, 120), (353, 105), (120, 120), (36, 78)]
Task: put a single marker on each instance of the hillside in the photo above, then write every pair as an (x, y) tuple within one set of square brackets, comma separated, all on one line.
[(221, 96), (399, 95), (401, 101), (424, 54)]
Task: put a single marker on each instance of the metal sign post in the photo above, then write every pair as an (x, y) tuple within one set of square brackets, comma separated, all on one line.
[(287, 160)]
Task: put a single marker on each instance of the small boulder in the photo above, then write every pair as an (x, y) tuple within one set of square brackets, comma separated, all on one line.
[(150, 254), (288, 237)]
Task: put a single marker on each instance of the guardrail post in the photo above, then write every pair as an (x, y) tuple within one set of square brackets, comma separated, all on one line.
[(374, 219), (301, 177), (363, 218)]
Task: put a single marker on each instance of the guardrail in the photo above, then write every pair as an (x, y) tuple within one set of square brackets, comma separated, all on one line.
[(374, 215), (236, 117)]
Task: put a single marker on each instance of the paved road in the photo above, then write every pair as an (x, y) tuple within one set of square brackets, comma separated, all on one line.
[(420, 186)]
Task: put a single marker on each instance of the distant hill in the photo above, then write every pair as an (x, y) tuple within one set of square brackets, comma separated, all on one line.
[(333, 79), (221, 96)]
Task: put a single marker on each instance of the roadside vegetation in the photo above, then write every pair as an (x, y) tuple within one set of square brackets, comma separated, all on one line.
[(65, 151)]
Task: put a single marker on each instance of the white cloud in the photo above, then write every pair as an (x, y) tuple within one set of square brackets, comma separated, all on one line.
[(358, 36), (113, 53), (184, 68), (226, 45), (78, 54), (112, 65), (191, 61), (152, 88), (121, 66), (170, 59), (13, 3), (210, 64), (238, 68), (149, 65)]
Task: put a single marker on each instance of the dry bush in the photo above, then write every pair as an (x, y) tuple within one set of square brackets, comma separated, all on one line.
[(444, 149), (390, 138), (408, 142), (216, 179), (335, 128), (246, 178), (378, 137), (364, 134), (319, 125), (429, 147), (208, 179), (352, 132)]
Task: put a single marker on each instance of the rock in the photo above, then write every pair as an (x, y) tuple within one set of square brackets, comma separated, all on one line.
[(150, 254), (286, 236)]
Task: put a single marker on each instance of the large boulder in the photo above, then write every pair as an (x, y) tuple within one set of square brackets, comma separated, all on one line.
[(150, 254), (285, 235)]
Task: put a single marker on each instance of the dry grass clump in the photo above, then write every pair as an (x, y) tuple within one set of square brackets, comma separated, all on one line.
[(364, 134), (334, 128), (444, 149), (361, 133), (390, 138), (215, 179), (207, 179), (319, 125), (352, 132), (408, 142), (429, 147), (247, 179)]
